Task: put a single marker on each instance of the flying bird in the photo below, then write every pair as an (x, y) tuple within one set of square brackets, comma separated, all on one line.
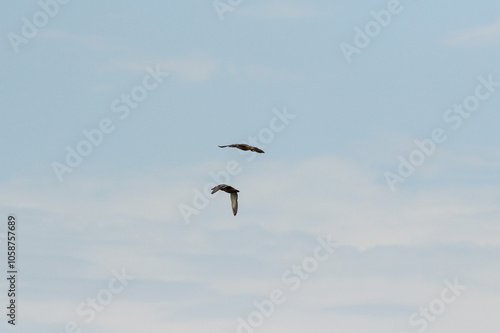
[(232, 191), (245, 147)]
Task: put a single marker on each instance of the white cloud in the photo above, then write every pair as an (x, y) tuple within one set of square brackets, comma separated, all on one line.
[(135, 224), (191, 68), (486, 34), (281, 10), (50, 33), (92, 42), (260, 72), (319, 196), (326, 195)]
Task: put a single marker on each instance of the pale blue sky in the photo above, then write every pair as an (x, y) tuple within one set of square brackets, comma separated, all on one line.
[(323, 173)]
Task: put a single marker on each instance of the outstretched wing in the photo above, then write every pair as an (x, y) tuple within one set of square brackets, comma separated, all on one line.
[(234, 145), (244, 146), (257, 150), (234, 202), (218, 187)]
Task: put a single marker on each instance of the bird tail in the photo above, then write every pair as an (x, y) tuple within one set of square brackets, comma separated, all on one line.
[(234, 202)]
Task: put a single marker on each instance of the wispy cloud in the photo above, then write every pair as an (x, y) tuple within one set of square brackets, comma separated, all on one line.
[(87, 41), (191, 68), (341, 198), (281, 10), (109, 223), (486, 34), (260, 72)]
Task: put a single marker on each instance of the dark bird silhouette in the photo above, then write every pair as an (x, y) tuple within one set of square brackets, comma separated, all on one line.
[(245, 147), (232, 191)]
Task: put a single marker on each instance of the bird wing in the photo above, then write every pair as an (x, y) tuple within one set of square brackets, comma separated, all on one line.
[(257, 150), (218, 187), (237, 145), (244, 146), (234, 202)]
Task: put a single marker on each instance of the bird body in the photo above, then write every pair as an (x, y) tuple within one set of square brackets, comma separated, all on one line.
[(232, 191), (245, 147)]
